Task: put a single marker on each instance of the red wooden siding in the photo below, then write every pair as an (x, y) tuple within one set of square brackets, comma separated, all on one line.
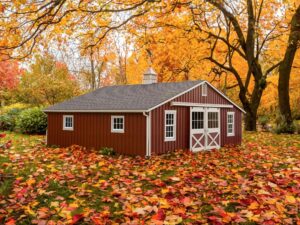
[(93, 130), (237, 138), (159, 146), (158, 143)]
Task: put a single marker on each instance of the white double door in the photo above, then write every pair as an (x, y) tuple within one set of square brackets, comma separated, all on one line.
[(204, 128)]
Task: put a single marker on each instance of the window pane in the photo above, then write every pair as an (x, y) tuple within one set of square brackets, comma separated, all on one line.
[(197, 120), (213, 120), (68, 122), (169, 119), (169, 131)]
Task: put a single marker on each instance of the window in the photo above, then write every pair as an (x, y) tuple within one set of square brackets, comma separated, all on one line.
[(204, 89), (117, 124), (197, 120), (170, 125), (213, 121), (230, 124), (68, 122)]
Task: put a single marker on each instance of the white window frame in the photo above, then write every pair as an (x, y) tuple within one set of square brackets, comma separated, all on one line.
[(173, 112), (204, 89), (233, 124), (64, 122), (112, 124)]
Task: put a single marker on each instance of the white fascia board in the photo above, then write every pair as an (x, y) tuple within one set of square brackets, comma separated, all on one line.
[(200, 105), (95, 111)]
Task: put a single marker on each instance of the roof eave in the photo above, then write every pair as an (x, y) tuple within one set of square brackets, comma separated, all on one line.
[(92, 111)]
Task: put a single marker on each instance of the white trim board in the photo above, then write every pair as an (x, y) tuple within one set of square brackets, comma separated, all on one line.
[(148, 133), (192, 104), (95, 111)]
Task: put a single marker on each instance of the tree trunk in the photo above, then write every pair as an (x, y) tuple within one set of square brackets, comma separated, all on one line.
[(250, 121), (251, 107), (93, 74), (285, 71)]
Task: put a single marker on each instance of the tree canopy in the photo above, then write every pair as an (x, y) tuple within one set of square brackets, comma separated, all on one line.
[(237, 45)]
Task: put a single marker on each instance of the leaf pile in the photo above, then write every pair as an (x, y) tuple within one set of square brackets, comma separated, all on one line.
[(256, 183)]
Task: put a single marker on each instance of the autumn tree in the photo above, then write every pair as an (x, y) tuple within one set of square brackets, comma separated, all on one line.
[(10, 74), (237, 32), (47, 82), (285, 69)]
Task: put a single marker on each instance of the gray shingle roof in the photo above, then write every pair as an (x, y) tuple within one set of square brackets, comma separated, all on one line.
[(139, 97)]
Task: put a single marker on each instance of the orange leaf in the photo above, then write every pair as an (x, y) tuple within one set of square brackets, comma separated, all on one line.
[(10, 221)]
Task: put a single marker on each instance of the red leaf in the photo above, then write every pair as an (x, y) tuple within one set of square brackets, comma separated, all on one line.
[(76, 218), (160, 215), (10, 221)]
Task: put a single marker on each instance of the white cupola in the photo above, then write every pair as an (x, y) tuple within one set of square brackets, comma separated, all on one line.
[(150, 76)]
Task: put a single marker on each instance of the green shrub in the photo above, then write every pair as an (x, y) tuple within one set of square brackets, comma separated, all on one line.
[(263, 121), (283, 127), (8, 120), (32, 121), (107, 151), (297, 124)]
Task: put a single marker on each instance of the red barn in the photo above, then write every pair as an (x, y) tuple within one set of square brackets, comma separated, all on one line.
[(147, 119)]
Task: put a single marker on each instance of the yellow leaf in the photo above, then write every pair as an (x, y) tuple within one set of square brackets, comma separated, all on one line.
[(54, 204), (28, 210), (164, 203), (74, 205), (253, 205), (101, 163), (172, 220), (164, 190), (30, 182), (290, 199), (280, 207)]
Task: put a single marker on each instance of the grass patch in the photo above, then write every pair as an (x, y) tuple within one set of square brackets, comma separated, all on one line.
[(6, 187)]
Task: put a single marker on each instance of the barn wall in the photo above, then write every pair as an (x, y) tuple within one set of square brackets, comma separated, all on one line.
[(159, 146), (93, 130), (237, 138)]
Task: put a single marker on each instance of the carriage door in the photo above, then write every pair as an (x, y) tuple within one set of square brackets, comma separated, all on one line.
[(205, 128), (213, 128), (197, 135)]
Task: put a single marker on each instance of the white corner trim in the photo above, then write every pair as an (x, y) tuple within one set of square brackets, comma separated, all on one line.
[(148, 133), (200, 105), (112, 124), (64, 122)]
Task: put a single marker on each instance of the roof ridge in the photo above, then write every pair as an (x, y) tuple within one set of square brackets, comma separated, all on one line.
[(167, 82)]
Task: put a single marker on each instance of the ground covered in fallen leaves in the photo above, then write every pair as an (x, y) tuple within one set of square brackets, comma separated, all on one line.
[(256, 183)]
